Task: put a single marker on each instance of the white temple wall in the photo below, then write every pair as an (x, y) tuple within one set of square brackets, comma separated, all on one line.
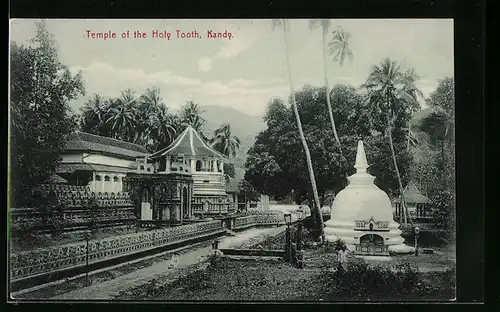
[(109, 161)]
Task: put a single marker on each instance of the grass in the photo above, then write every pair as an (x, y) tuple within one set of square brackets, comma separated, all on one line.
[(229, 280), (226, 279)]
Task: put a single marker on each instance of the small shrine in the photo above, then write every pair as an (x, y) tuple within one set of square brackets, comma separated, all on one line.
[(362, 215)]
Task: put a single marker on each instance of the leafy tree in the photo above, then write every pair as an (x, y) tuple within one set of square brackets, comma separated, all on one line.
[(312, 179), (275, 165), (338, 47), (41, 87), (439, 125), (443, 205), (248, 191), (392, 92), (229, 172)]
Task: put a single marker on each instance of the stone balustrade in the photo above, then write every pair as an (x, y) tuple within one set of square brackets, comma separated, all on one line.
[(47, 260), (76, 196), (260, 219), (32, 218)]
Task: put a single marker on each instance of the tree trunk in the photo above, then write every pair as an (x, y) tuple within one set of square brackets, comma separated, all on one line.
[(403, 203), (328, 100), (302, 137), (409, 134), (443, 161)]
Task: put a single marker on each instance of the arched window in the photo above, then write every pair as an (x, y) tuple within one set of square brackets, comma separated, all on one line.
[(98, 178), (106, 179), (115, 179), (198, 165)]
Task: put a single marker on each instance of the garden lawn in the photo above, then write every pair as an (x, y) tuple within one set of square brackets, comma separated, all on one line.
[(226, 279)]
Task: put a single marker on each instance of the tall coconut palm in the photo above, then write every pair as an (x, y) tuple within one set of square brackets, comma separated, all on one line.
[(149, 103), (338, 47), (122, 116), (392, 92), (161, 127), (93, 116), (224, 142), (284, 24), (191, 115)]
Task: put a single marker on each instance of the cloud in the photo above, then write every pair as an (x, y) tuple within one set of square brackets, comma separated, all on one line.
[(205, 64), (244, 38), (248, 96), (108, 74)]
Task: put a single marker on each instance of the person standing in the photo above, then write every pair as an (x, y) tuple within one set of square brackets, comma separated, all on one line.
[(341, 263)]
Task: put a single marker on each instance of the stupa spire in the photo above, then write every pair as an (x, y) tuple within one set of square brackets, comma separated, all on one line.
[(361, 163)]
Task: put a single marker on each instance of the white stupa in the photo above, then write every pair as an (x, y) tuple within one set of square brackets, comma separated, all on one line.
[(362, 215)]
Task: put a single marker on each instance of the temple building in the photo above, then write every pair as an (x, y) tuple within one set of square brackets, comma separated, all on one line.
[(362, 217), (98, 162), (179, 182), (198, 172), (415, 201)]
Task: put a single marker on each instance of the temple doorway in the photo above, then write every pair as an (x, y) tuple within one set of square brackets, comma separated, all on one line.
[(185, 203), (146, 211), (372, 244)]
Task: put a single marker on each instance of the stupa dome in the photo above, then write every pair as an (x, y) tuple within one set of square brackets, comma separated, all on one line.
[(363, 212)]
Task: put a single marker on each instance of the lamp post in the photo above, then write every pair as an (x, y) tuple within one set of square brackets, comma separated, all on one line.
[(417, 231), (300, 217), (288, 221)]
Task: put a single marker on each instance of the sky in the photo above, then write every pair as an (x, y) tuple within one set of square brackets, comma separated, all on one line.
[(245, 70)]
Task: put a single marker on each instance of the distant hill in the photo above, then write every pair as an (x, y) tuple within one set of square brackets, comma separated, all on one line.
[(417, 117), (245, 127)]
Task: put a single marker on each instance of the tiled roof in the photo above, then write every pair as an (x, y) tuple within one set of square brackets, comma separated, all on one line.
[(54, 178), (413, 195), (188, 143), (72, 167), (81, 141)]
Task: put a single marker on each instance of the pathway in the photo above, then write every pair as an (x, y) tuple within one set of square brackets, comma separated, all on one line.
[(165, 269)]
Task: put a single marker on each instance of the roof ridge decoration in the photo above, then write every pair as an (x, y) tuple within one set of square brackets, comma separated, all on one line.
[(188, 145)]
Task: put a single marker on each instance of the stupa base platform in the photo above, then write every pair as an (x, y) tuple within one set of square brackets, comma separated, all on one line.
[(401, 249), (376, 258)]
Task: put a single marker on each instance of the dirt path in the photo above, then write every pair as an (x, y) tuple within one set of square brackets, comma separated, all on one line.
[(175, 266)]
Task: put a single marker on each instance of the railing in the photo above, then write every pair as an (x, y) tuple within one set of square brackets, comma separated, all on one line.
[(257, 220), (29, 218), (47, 260)]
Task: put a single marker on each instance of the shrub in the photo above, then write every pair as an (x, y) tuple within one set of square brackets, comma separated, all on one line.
[(426, 238), (362, 280)]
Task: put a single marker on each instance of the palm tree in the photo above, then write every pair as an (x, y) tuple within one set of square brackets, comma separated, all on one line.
[(122, 116), (161, 126), (393, 92), (284, 24), (149, 102), (191, 116), (224, 142), (338, 47), (94, 111)]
